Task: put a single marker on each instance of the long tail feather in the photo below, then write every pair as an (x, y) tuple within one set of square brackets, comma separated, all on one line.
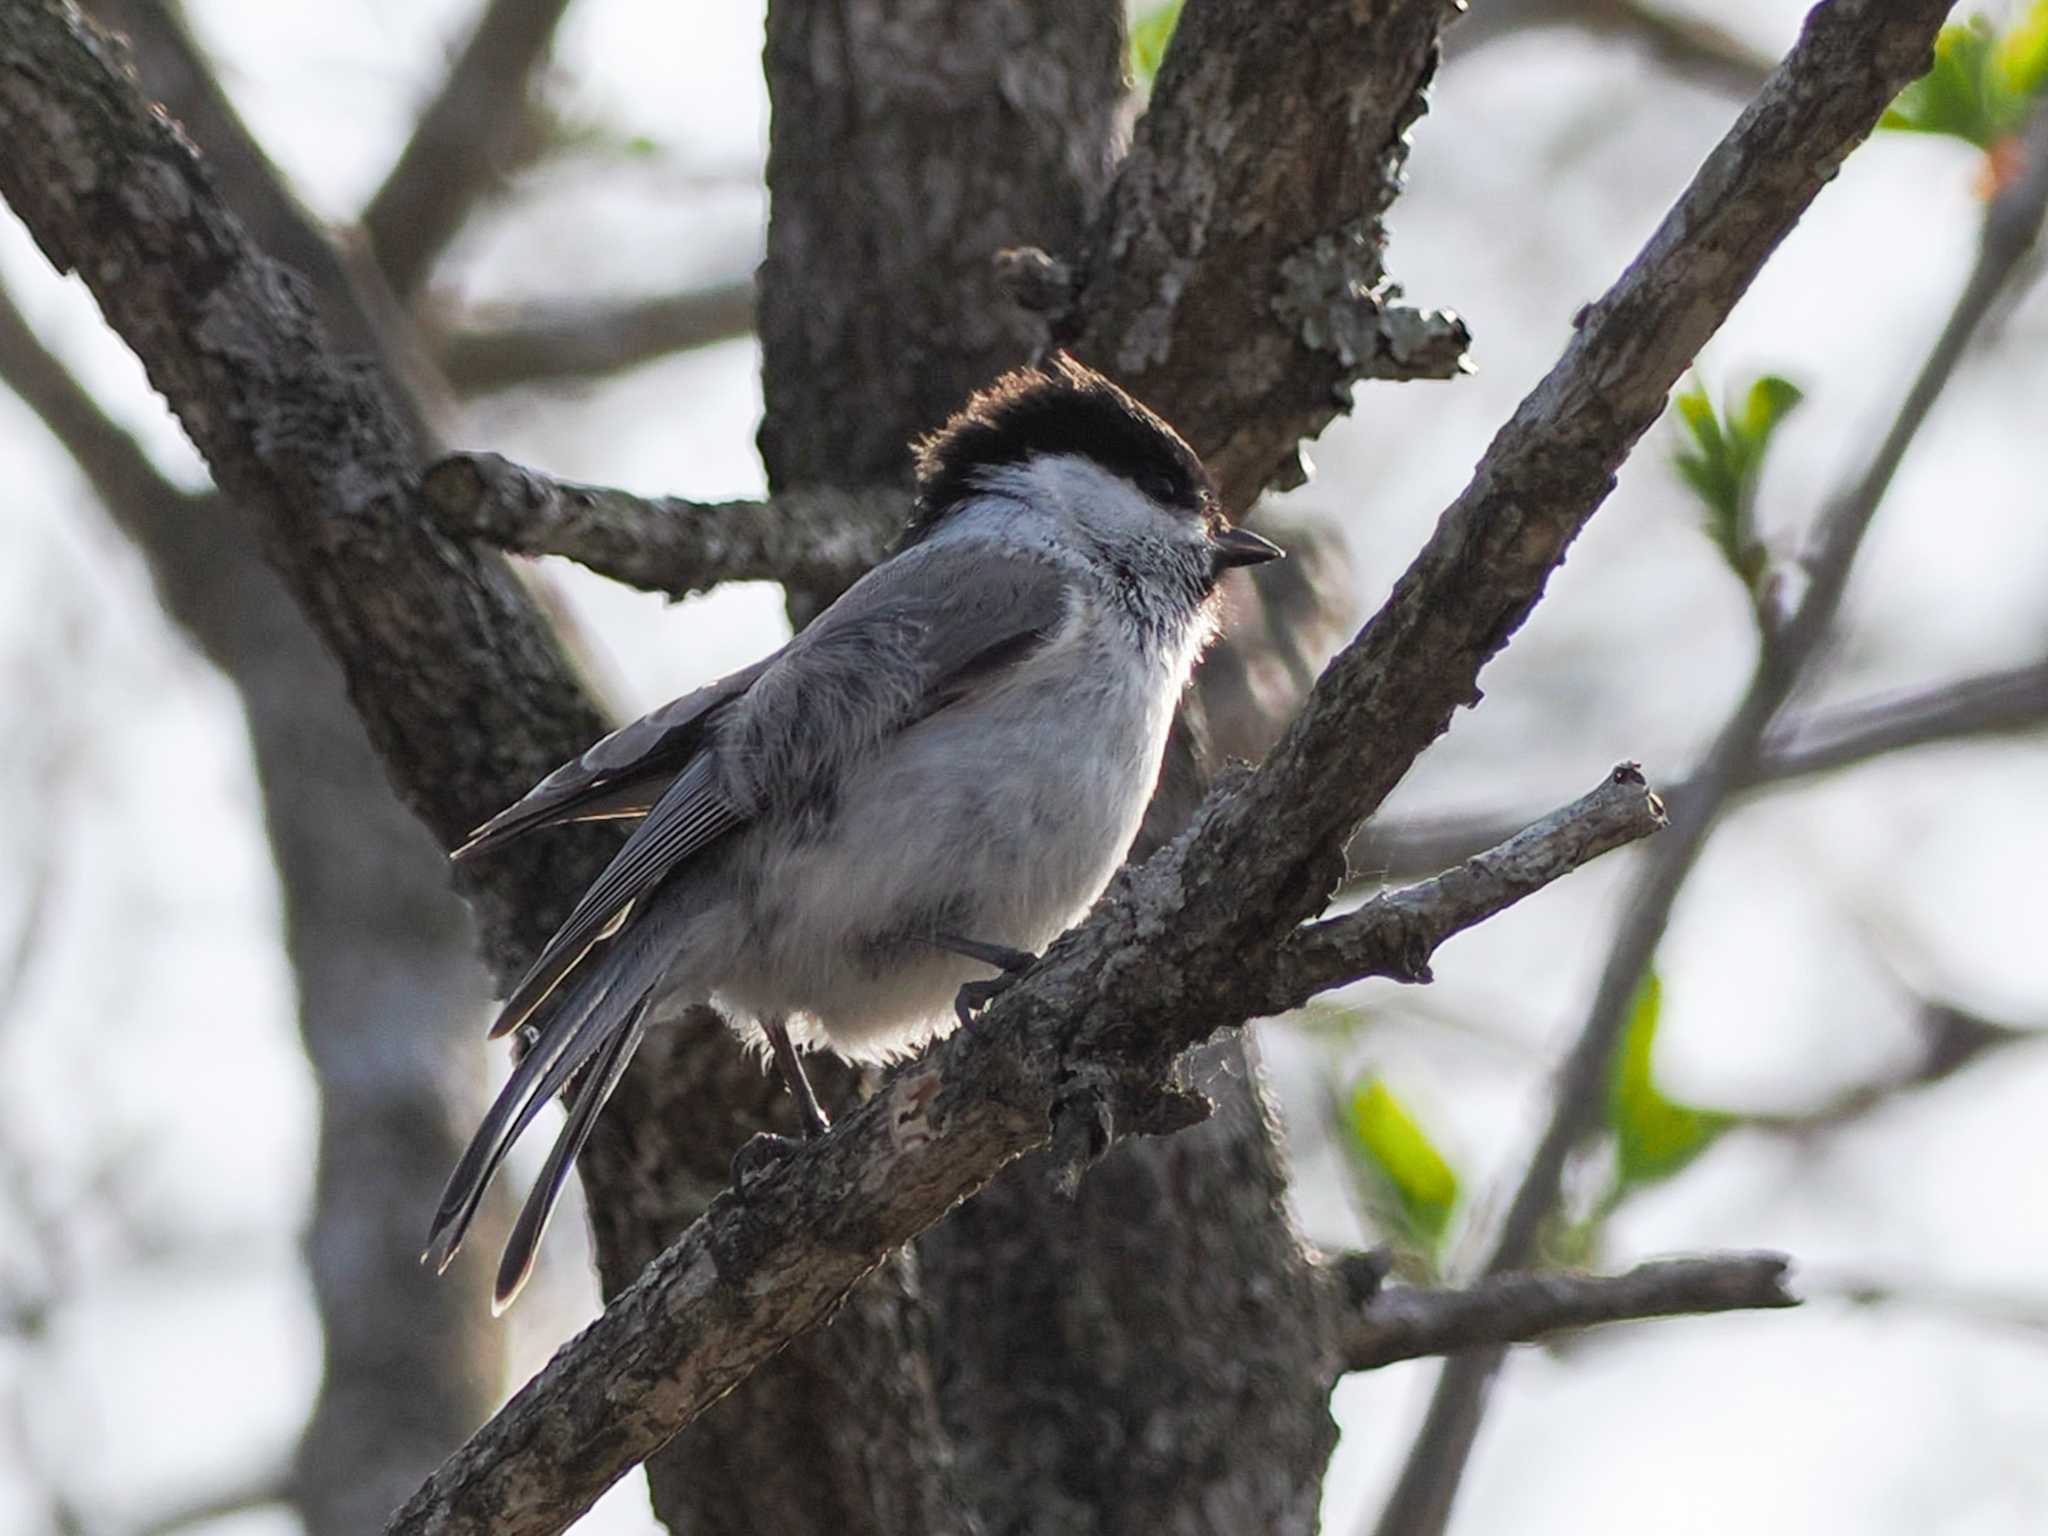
[(591, 1027), (571, 1038), (524, 1242)]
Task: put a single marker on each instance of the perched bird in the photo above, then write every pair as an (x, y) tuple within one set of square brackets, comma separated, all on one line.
[(838, 844)]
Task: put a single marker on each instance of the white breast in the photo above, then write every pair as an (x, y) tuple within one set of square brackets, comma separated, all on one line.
[(999, 820)]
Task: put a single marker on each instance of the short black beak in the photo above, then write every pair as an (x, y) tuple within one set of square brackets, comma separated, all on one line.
[(1240, 546)]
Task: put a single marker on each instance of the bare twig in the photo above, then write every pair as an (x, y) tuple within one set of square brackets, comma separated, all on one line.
[(545, 343), (2001, 703), (462, 141), (1407, 1323), (1950, 1040), (1421, 1502), (1689, 46), (348, 292), (817, 539), (1396, 933), (1976, 1306)]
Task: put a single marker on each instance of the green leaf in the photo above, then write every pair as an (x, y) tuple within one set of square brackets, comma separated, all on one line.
[(2021, 57), (1654, 1136), (1391, 1143), (1724, 464), (1150, 34), (1771, 400), (1968, 93)]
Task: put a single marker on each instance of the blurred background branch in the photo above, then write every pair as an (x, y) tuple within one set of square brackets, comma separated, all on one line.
[(1788, 645)]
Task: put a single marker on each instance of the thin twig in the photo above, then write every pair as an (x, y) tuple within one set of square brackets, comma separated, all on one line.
[(1421, 1502), (548, 343), (1409, 1322), (2001, 703), (1688, 46), (1178, 946), (462, 141), (1395, 934)]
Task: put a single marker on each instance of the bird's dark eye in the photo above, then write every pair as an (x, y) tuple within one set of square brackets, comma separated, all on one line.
[(1160, 487)]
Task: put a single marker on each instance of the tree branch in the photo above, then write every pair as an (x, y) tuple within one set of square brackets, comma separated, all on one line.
[(816, 538), (1395, 934), (1422, 1498), (462, 140), (693, 1324), (511, 346), (1407, 1323), (1179, 947), (2001, 703), (1235, 279)]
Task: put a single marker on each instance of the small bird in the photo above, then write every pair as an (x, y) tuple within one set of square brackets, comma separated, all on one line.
[(839, 843)]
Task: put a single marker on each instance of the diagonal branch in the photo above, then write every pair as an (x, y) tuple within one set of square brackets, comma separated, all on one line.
[(1396, 933), (509, 346), (694, 1324), (1422, 1497), (462, 141), (1408, 1323), (459, 680), (1394, 689)]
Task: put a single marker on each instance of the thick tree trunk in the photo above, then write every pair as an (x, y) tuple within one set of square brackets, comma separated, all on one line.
[(911, 144)]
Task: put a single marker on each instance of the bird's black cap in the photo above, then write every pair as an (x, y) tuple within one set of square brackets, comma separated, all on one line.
[(1064, 407)]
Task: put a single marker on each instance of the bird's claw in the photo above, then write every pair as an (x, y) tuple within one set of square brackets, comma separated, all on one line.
[(759, 1157), (977, 995)]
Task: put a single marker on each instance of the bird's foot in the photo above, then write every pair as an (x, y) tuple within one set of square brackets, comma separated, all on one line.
[(977, 995), (758, 1158)]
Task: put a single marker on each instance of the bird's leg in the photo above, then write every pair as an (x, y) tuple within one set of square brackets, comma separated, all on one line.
[(976, 995), (799, 1086)]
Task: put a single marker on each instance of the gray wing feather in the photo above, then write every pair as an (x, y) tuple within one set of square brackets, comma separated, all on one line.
[(622, 775), (691, 813), (911, 637)]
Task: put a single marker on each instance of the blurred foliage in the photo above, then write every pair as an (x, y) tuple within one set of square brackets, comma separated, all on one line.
[(1723, 464), (1982, 84), (1150, 34), (1654, 1135), (1387, 1141)]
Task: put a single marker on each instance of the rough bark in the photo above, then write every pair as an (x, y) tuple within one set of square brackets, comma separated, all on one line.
[(909, 144), (912, 140), (1403, 1323), (1235, 277), (1179, 945), (1143, 979)]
